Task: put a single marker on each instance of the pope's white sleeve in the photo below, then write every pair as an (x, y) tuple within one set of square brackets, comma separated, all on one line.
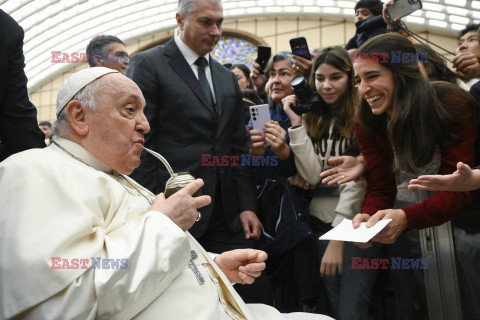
[(156, 251), (51, 212)]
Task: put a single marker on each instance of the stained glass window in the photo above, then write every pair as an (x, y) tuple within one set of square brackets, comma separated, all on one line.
[(235, 51)]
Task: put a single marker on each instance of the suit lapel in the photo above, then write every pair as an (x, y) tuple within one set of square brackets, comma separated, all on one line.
[(181, 67)]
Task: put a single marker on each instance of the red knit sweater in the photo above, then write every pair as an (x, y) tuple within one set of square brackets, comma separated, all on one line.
[(381, 185)]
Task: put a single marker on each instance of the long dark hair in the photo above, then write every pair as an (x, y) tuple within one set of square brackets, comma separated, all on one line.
[(318, 125), (245, 71), (436, 65), (424, 115)]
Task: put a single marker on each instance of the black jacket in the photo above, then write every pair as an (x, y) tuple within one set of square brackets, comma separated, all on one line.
[(184, 126), (18, 116), (366, 29)]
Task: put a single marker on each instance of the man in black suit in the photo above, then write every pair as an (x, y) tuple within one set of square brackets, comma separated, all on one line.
[(194, 107), (18, 117)]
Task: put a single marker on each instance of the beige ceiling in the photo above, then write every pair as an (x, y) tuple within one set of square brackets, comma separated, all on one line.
[(68, 25)]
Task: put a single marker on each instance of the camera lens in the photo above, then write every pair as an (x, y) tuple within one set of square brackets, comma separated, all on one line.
[(301, 88)]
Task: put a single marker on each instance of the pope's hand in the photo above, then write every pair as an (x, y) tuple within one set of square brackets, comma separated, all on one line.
[(181, 207), (242, 265)]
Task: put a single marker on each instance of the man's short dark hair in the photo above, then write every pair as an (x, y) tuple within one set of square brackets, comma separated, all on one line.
[(100, 44), (45, 123), (468, 28)]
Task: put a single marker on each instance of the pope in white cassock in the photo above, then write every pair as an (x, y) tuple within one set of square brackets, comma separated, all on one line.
[(80, 240)]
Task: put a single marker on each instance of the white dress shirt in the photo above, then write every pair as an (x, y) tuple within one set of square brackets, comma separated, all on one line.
[(191, 56)]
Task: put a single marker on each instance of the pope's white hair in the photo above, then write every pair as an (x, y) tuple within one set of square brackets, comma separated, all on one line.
[(87, 97)]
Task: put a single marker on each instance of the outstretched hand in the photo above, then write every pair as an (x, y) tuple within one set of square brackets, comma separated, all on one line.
[(242, 265), (464, 179), (348, 168)]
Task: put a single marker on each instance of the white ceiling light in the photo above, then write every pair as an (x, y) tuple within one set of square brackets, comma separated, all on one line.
[(437, 23), (458, 3), (476, 4), (331, 10), (432, 6), (435, 15), (58, 25)]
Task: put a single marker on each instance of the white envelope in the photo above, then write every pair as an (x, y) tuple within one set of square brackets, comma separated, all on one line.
[(345, 232)]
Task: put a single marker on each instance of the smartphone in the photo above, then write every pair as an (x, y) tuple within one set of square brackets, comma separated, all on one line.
[(300, 48), (402, 8), (260, 116), (264, 54)]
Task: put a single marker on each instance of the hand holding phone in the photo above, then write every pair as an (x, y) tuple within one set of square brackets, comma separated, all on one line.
[(400, 8), (260, 116), (264, 54), (300, 48)]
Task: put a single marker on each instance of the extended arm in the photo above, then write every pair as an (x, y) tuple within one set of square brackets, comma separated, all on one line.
[(464, 179)]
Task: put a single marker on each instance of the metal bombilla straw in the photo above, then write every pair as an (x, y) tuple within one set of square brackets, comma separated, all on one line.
[(176, 180), (161, 158)]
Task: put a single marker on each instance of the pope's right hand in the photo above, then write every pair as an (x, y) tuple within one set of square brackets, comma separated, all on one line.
[(181, 207)]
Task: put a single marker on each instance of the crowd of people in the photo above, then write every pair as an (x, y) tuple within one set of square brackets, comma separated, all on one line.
[(94, 236)]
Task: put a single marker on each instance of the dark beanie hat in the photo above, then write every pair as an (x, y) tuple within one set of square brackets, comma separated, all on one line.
[(376, 6)]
